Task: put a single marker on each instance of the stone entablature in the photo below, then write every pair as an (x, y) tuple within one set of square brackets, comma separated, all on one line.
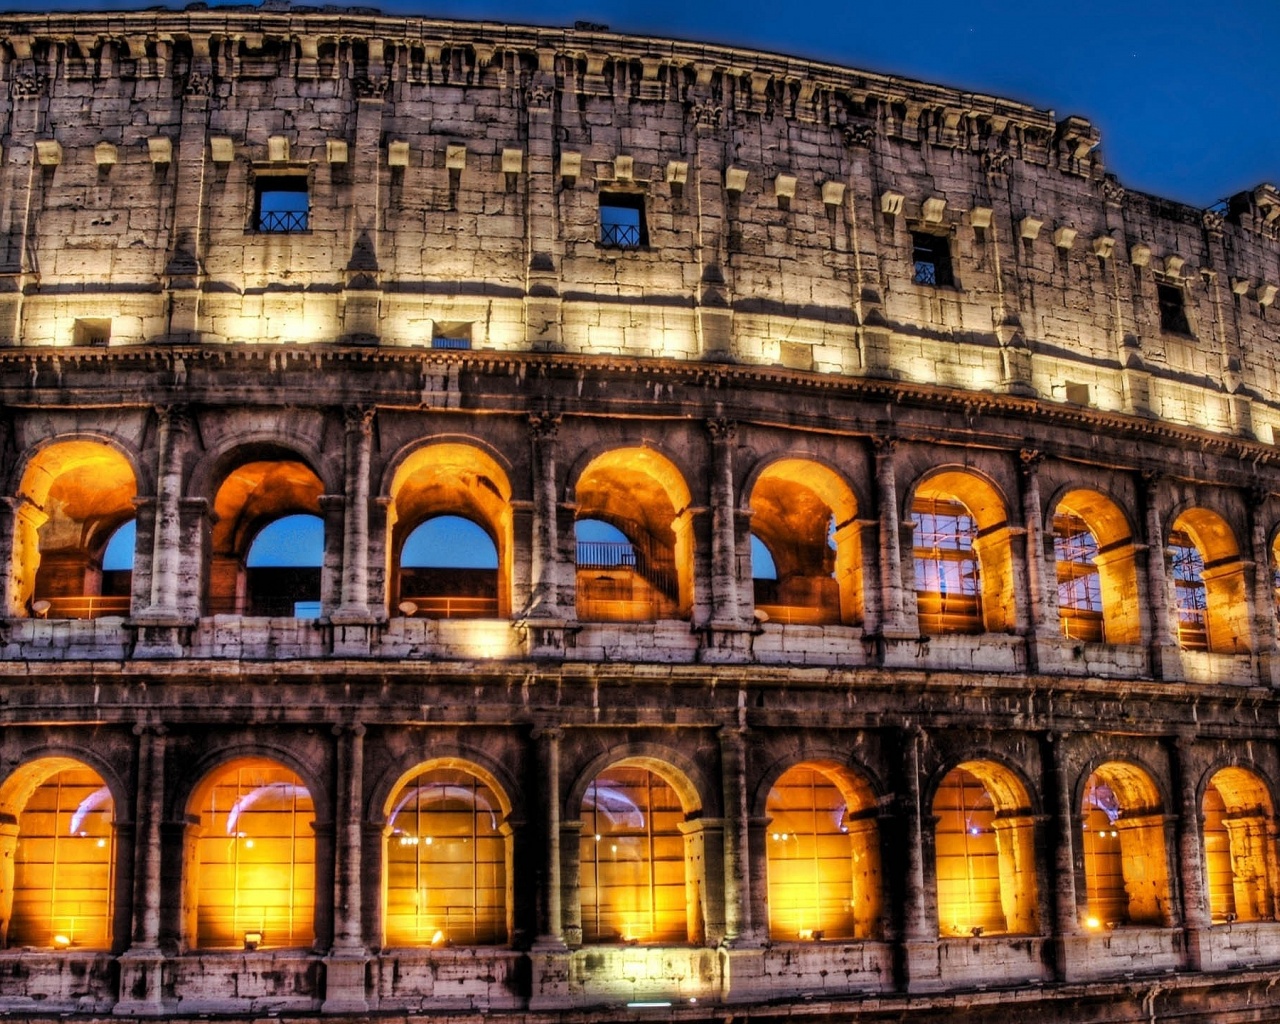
[(454, 172)]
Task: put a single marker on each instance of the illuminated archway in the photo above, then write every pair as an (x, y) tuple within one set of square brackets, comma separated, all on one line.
[(446, 867), (962, 556), (1239, 846), (823, 855), (636, 882), (1210, 584), (434, 486), (250, 863), (806, 516), (1097, 577), (251, 499), (644, 497), (1126, 870), (73, 497), (57, 856), (985, 853)]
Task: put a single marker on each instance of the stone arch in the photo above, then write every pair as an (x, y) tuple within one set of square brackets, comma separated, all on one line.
[(962, 531), (73, 493), (806, 514), (1210, 582), (446, 820), (459, 478), (644, 495), (249, 857), (57, 853), (822, 857), (300, 442), (259, 486), (1239, 834), (1094, 557), (984, 850), (1124, 847)]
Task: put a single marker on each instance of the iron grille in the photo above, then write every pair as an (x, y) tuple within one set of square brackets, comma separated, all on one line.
[(622, 236), (282, 222)]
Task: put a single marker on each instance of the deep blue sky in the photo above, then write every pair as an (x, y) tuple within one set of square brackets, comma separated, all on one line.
[(1187, 94)]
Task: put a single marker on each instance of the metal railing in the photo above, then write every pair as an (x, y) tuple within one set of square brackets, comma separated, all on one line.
[(265, 606), (282, 222), (621, 236), (606, 554), (444, 607), (89, 607)]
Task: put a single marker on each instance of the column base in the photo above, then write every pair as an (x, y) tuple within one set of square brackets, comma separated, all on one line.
[(141, 985), (923, 973), (345, 989), (352, 638), (160, 637), (1199, 953), (550, 972), (548, 638), (725, 642)]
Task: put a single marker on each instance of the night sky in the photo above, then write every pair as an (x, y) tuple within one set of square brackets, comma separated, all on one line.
[(1187, 94)]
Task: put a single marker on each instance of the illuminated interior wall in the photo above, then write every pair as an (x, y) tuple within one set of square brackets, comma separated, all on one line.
[(254, 857), (644, 496), (1126, 869), (1112, 559), (947, 571), (632, 860), (60, 863), (807, 517), (80, 492), (1239, 843), (985, 853), (251, 496), (446, 876), (1207, 568), (823, 857)]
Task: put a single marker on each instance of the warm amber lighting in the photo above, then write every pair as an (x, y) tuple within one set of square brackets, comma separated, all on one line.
[(1092, 923), (252, 940), (58, 872), (635, 890), (1238, 841), (824, 879), (446, 878), (254, 861), (1126, 874)]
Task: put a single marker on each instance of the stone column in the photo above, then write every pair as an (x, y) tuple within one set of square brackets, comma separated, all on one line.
[(1164, 641), (183, 271), (713, 308), (355, 532), (361, 296), (345, 964), (141, 966), (550, 908), (545, 565), (725, 606), (738, 878), (159, 623), (919, 933), (1195, 896), (1264, 597), (1066, 911), (542, 284), (19, 178), (1040, 582), (893, 615), (20, 521)]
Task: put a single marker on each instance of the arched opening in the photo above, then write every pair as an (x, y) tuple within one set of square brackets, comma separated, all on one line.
[(446, 861), (449, 570), (268, 542), (57, 857), (250, 858), (985, 853), (1126, 869), (823, 856), (1097, 577), (282, 568), (74, 496), (1239, 846), (449, 525), (1210, 584), (962, 556), (806, 517), (635, 879), (648, 573)]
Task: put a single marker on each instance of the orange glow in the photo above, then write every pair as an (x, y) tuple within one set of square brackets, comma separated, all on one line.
[(1239, 844), (1125, 867), (823, 856), (633, 876), (62, 862), (446, 879), (254, 863)]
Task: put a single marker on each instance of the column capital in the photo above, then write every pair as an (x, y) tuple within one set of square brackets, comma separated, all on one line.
[(359, 418), (1029, 460), (543, 426), (883, 447), (721, 430), (176, 417)]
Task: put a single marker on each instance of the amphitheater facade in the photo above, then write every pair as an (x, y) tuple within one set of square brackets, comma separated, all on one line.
[(541, 525)]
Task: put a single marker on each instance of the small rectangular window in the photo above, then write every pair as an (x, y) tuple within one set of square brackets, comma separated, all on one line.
[(281, 203), (931, 255), (451, 335), (1173, 312), (92, 331), (622, 220)]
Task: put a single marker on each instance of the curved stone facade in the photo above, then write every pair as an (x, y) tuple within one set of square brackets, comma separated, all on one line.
[(869, 604)]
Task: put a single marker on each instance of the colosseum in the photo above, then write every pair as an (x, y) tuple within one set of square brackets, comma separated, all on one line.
[(535, 525)]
